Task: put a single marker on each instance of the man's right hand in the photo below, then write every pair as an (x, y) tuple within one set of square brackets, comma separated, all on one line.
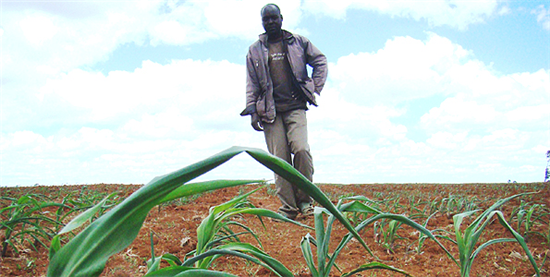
[(256, 122)]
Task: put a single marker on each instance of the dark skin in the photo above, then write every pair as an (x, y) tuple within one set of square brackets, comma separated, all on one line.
[(272, 21)]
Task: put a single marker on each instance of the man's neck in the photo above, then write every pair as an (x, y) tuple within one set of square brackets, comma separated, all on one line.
[(275, 37)]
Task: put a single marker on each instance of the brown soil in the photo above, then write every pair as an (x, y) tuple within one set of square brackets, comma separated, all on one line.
[(174, 228)]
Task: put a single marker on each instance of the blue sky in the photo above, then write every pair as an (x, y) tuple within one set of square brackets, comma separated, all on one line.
[(418, 91)]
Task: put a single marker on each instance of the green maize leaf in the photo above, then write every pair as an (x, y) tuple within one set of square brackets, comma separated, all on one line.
[(494, 207), (8, 198), (217, 214), (320, 235), (208, 227), (472, 238), (196, 188), (231, 203), (11, 207), (87, 253), (206, 232), (36, 235), (360, 198), (23, 199), (322, 250), (55, 245), (218, 252), (528, 218), (322, 242), (519, 239), (172, 259), (467, 240), (216, 222), (82, 218), (359, 207), (76, 222), (272, 264), (462, 240), (305, 245), (12, 246), (458, 218), (115, 230), (405, 220), (292, 175), (219, 240), (491, 242), (34, 221), (323, 247), (270, 214), (247, 229), (179, 271), (376, 265), (153, 264)]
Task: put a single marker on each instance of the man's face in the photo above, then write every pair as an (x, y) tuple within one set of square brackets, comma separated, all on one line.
[(272, 21)]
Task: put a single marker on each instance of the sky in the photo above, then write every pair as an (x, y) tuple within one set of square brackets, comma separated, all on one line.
[(439, 91)]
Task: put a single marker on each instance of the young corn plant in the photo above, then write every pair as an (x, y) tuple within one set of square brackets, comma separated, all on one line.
[(357, 217), (361, 207), (214, 234), (422, 238), (86, 254), (325, 260), (467, 239), (456, 204), (385, 233), (414, 207), (24, 220), (528, 216)]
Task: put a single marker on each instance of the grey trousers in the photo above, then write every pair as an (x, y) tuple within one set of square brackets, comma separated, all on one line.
[(286, 138)]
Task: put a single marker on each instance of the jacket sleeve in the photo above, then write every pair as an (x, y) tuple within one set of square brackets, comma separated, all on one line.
[(252, 86), (318, 62)]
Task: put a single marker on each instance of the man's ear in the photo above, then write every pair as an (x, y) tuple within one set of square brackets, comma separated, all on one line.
[(281, 17)]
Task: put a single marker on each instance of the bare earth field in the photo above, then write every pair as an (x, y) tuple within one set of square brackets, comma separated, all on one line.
[(174, 228)]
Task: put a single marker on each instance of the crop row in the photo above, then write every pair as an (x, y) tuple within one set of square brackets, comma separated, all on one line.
[(78, 251)]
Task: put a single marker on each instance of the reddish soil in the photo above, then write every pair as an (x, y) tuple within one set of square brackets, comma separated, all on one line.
[(174, 228)]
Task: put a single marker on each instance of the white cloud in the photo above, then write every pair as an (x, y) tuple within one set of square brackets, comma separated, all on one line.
[(405, 69), (90, 155), (128, 126), (504, 10), (447, 140), (64, 42), (543, 16), (458, 113), (242, 18), (170, 123), (45, 42), (484, 118), (489, 101), (38, 29), (156, 119), (457, 14), (184, 85), (49, 38)]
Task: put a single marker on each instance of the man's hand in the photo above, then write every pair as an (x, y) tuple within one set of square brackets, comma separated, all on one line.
[(256, 122)]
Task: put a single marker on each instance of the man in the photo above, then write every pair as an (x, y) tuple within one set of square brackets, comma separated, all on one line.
[(278, 91)]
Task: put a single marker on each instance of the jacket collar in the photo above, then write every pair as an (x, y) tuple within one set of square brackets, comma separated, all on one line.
[(288, 36)]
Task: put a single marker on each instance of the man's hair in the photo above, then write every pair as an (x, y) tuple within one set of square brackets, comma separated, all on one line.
[(271, 4)]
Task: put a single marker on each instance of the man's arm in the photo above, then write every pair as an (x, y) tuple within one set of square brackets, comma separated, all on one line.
[(318, 62), (252, 87), (252, 93)]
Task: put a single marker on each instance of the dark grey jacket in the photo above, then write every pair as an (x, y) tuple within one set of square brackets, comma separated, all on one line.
[(259, 87)]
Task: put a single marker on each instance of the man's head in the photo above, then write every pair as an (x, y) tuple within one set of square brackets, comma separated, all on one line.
[(272, 20)]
